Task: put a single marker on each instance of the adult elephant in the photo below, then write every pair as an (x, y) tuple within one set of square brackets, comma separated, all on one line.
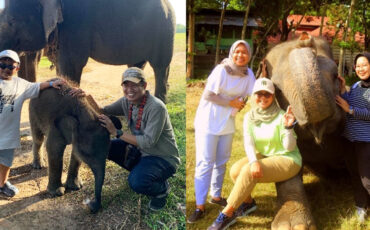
[(305, 76), (114, 32)]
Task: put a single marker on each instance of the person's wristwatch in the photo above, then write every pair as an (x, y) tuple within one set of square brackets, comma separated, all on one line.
[(351, 110), (119, 133)]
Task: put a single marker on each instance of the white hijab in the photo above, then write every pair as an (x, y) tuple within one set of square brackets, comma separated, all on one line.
[(229, 64)]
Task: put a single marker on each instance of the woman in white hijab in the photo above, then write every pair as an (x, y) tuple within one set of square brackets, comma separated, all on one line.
[(227, 85)]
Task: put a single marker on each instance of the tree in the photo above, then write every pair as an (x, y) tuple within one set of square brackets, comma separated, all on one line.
[(342, 51), (190, 53), (219, 35), (245, 21)]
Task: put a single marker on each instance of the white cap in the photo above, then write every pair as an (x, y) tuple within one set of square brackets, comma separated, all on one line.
[(10, 54), (264, 84), (133, 74)]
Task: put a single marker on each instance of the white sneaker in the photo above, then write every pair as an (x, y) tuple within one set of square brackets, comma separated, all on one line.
[(361, 214)]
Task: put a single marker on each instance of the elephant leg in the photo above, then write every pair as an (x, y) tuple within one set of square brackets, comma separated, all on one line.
[(55, 146), (98, 168), (161, 85), (140, 65), (71, 61), (73, 181), (28, 65), (37, 140), (293, 209)]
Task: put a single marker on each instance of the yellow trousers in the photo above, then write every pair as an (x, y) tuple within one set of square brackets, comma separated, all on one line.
[(274, 169)]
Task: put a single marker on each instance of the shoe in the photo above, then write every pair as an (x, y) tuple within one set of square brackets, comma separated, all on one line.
[(9, 190), (361, 214), (222, 222), (197, 215), (246, 208), (158, 202), (221, 202)]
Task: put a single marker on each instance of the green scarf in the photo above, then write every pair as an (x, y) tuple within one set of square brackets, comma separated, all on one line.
[(258, 115)]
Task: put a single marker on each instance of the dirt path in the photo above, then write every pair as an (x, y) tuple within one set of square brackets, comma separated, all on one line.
[(33, 208)]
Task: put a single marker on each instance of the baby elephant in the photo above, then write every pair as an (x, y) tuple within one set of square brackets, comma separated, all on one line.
[(64, 120)]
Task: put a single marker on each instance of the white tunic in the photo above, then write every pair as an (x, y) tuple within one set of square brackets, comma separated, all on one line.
[(12, 95), (216, 119)]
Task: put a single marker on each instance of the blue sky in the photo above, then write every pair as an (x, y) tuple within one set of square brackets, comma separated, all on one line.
[(178, 5)]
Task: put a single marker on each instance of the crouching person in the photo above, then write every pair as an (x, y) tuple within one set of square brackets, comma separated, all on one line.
[(151, 136)]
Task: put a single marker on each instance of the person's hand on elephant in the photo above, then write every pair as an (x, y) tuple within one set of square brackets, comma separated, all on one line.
[(256, 170), (108, 124), (57, 83), (342, 85), (77, 92), (289, 117), (342, 103), (237, 103)]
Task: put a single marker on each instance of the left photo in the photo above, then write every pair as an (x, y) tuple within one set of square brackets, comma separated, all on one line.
[(92, 114)]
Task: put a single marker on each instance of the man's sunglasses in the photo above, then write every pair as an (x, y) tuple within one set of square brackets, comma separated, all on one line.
[(5, 66)]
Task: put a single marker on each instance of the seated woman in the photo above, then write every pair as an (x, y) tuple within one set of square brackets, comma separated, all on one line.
[(268, 131)]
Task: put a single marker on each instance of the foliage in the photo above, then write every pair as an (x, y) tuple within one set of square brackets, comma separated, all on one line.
[(180, 28)]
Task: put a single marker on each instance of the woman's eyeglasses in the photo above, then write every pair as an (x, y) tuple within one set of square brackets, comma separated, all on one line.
[(264, 94), (5, 66)]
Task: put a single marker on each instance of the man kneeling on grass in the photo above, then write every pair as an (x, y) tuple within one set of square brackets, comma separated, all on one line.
[(151, 137)]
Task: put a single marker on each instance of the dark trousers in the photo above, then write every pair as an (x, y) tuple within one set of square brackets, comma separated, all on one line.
[(358, 161), (149, 176)]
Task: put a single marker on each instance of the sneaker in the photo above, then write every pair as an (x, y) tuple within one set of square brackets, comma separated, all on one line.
[(361, 214), (8, 190), (197, 215), (221, 202), (222, 222), (246, 208), (158, 202)]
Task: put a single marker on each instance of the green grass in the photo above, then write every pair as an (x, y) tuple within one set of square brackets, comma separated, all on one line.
[(331, 200)]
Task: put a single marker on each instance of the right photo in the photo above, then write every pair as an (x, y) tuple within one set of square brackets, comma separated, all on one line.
[(278, 114)]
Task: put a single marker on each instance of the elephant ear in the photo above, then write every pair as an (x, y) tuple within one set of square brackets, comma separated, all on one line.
[(51, 15)]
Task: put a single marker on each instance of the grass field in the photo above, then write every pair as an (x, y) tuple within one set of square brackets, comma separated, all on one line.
[(331, 200)]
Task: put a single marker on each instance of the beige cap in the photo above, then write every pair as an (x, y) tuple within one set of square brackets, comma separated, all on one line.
[(133, 74), (10, 54), (264, 84)]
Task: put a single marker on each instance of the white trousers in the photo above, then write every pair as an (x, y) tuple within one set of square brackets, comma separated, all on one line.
[(212, 154)]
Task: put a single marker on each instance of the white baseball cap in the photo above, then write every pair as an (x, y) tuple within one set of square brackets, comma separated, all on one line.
[(264, 84), (10, 54), (133, 74)]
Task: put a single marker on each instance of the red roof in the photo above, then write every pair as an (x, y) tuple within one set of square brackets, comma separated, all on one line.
[(311, 25)]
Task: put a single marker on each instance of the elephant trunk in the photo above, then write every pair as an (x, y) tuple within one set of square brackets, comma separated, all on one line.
[(310, 97)]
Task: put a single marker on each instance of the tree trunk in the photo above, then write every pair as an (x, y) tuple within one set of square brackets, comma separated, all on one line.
[(298, 24), (367, 38), (217, 59), (245, 21), (322, 23), (259, 44), (342, 51), (190, 53)]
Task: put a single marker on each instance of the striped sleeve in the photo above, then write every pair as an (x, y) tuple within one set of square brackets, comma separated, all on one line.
[(361, 113)]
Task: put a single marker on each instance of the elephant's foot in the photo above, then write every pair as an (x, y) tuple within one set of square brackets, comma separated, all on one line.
[(93, 205), (74, 184), (59, 191), (293, 215), (38, 164)]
